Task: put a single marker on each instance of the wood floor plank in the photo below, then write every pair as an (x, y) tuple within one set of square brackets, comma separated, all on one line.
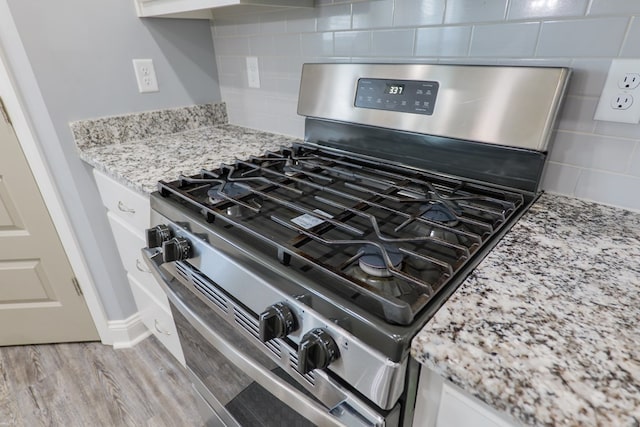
[(165, 376), (82, 384), (64, 403), (89, 384), (9, 412), (168, 375), (116, 398), (33, 403)]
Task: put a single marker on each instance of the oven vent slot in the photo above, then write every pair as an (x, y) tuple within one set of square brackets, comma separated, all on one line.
[(250, 325), (274, 348), (211, 293), (242, 319), (293, 364), (182, 270), (247, 323)]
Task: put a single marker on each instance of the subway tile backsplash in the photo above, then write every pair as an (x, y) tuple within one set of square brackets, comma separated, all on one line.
[(443, 41), (373, 14), (582, 38), (527, 9), (474, 11), (587, 159), (411, 13), (515, 39)]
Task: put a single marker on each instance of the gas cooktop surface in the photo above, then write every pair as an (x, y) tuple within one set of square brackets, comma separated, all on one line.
[(392, 237)]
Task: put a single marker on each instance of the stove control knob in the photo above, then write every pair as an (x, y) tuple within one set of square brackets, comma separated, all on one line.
[(316, 351), (176, 249), (277, 321), (157, 235)]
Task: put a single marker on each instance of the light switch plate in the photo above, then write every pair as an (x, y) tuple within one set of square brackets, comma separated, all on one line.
[(620, 98)]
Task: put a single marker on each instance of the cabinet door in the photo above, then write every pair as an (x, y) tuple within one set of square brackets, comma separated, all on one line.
[(206, 9), (129, 215), (157, 319), (129, 245), (457, 409), (441, 404)]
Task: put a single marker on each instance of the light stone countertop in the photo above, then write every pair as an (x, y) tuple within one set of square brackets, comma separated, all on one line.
[(141, 164), (547, 327)]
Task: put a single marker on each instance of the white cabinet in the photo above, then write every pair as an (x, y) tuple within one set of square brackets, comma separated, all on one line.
[(208, 9), (441, 404), (156, 316), (124, 203), (129, 215)]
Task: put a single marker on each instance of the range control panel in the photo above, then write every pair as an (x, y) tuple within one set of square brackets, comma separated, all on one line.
[(407, 96)]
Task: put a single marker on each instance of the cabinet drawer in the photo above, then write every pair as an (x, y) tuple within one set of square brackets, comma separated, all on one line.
[(129, 245), (124, 202), (157, 319)]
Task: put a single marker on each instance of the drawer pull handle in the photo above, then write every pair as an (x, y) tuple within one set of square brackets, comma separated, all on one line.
[(140, 266), (156, 324), (124, 208)]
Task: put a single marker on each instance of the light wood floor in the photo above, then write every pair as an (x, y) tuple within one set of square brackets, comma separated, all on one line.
[(89, 384)]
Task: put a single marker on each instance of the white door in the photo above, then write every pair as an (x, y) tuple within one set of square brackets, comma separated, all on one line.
[(40, 300)]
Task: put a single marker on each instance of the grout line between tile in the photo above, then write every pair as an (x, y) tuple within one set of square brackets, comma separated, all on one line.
[(444, 11), (507, 10), (578, 178), (636, 150), (626, 36), (535, 49)]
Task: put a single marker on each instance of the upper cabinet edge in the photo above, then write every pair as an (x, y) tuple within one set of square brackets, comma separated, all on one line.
[(208, 9)]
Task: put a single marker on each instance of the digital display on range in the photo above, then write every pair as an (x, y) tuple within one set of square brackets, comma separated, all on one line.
[(394, 89), (403, 96)]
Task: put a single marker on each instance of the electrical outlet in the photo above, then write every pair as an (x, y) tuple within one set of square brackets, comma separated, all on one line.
[(622, 101), (145, 75), (620, 89), (629, 81), (253, 73)]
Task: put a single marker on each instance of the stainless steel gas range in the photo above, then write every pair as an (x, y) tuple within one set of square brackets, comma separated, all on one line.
[(298, 278)]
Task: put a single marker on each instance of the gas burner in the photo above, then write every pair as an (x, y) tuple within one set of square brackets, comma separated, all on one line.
[(372, 260), (222, 191), (390, 287), (289, 167), (442, 213), (372, 270)]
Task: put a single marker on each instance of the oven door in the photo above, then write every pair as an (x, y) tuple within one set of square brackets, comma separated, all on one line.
[(239, 383)]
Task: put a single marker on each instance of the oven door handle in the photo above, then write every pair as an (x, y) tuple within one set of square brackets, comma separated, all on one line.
[(306, 407)]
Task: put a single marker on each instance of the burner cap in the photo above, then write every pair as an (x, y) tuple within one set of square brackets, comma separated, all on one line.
[(372, 261), (442, 213), (229, 189), (289, 167)]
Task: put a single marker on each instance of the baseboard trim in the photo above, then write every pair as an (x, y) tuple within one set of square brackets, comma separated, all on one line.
[(127, 332)]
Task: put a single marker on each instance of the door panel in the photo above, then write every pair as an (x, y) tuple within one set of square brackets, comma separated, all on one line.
[(9, 220), (39, 301), (24, 281)]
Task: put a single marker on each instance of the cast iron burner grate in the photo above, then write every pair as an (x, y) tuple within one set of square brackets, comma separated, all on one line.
[(331, 209)]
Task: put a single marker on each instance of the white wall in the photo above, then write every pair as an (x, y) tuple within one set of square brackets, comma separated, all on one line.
[(589, 159), (72, 60)]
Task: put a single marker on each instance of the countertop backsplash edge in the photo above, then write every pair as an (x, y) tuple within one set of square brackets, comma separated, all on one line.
[(138, 126)]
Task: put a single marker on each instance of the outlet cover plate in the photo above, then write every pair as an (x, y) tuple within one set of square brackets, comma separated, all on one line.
[(145, 75), (253, 72), (613, 89)]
